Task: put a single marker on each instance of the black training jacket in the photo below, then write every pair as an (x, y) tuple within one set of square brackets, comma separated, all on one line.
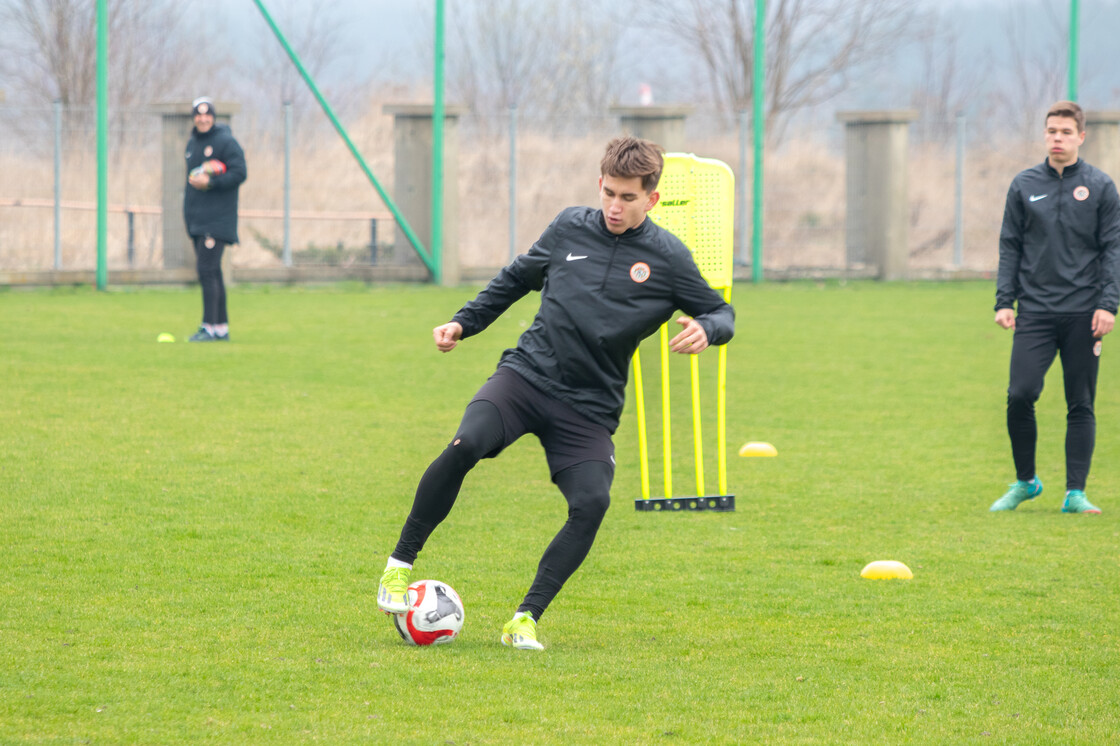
[(601, 295), (1059, 248), (213, 211)]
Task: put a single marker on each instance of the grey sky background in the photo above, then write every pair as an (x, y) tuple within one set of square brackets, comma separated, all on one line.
[(388, 42), (362, 51)]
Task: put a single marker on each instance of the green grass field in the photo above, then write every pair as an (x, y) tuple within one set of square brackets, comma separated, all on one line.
[(191, 535)]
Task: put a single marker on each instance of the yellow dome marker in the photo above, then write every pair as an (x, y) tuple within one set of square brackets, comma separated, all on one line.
[(886, 570), (758, 449), (165, 337)]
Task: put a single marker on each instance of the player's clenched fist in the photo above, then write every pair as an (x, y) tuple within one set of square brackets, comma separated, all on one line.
[(1005, 317), (447, 335)]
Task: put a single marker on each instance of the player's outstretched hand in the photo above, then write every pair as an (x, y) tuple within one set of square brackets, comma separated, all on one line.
[(448, 335), (692, 340), (1103, 321)]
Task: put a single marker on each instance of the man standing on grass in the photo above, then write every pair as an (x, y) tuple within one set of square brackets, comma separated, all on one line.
[(608, 278), (1059, 257), (215, 170)]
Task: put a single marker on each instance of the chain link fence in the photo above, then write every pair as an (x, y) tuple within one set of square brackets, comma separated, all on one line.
[(507, 195)]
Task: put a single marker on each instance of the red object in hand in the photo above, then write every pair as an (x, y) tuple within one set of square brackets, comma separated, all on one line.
[(210, 168)]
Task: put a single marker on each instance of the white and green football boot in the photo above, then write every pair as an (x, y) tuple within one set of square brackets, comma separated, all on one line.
[(1020, 492), (1076, 502)]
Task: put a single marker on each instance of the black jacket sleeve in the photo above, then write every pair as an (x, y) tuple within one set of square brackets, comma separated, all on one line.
[(1010, 249), (516, 280), (236, 169), (699, 300), (1108, 224)]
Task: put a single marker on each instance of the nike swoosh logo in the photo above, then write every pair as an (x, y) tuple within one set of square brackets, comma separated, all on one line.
[(1037, 197), (572, 257)]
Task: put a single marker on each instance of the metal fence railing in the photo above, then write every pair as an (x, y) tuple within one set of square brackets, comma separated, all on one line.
[(515, 170)]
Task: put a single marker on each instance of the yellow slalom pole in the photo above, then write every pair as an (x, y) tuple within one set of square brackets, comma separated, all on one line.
[(697, 435), (667, 438), (698, 206), (721, 409), (643, 444)]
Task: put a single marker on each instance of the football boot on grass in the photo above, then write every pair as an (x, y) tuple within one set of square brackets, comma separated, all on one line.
[(1076, 502), (1020, 492), (392, 592), (521, 632)]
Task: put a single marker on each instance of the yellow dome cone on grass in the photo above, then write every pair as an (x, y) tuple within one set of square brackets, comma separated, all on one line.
[(886, 570), (758, 449), (165, 337)]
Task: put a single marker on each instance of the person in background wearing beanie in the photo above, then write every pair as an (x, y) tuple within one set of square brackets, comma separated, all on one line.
[(215, 170)]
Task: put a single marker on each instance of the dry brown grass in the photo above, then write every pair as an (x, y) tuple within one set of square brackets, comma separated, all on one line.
[(804, 205)]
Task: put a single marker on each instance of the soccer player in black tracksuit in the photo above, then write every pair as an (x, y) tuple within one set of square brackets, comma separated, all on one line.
[(608, 278), (1059, 257), (210, 211)]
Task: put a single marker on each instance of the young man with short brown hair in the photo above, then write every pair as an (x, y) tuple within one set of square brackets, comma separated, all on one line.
[(608, 278), (1059, 259)]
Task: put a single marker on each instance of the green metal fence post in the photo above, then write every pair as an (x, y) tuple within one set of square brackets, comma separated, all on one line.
[(1074, 43), (758, 93), (437, 149), (102, 142)]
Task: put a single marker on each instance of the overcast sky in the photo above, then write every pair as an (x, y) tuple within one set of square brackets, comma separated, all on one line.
[(385, 40)]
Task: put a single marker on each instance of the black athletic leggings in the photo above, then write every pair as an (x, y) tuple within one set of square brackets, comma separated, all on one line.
[(210, 278), (1037, 340), (586, 486)]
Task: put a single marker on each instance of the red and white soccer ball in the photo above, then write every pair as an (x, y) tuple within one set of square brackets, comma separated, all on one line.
[(211, 167), (435, 614), (214, 166)]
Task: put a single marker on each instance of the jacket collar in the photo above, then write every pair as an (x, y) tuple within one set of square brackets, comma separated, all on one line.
[(1068, 170), (642, 229)]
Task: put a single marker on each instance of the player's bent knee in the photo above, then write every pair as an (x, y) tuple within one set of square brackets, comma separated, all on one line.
[(594, 506), (587, 488), (463, 452), (1081, 411), (480, 432), (1023, 397)]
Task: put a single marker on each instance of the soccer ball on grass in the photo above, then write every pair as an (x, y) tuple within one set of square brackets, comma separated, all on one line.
[(435, 614)]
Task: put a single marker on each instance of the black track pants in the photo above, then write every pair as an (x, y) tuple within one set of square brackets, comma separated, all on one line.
[(1038, 338), (479, 434), (587, 488), (208, 251), (585, 485)]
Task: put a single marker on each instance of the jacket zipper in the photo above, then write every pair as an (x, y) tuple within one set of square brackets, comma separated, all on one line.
[(1061, 203), (610, 265)]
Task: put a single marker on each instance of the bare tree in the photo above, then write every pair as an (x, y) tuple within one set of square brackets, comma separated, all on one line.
[(541, 55), (51, 49), (812, 46), (495, 40), (947, 81), (1036, 69), (314, 32)]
